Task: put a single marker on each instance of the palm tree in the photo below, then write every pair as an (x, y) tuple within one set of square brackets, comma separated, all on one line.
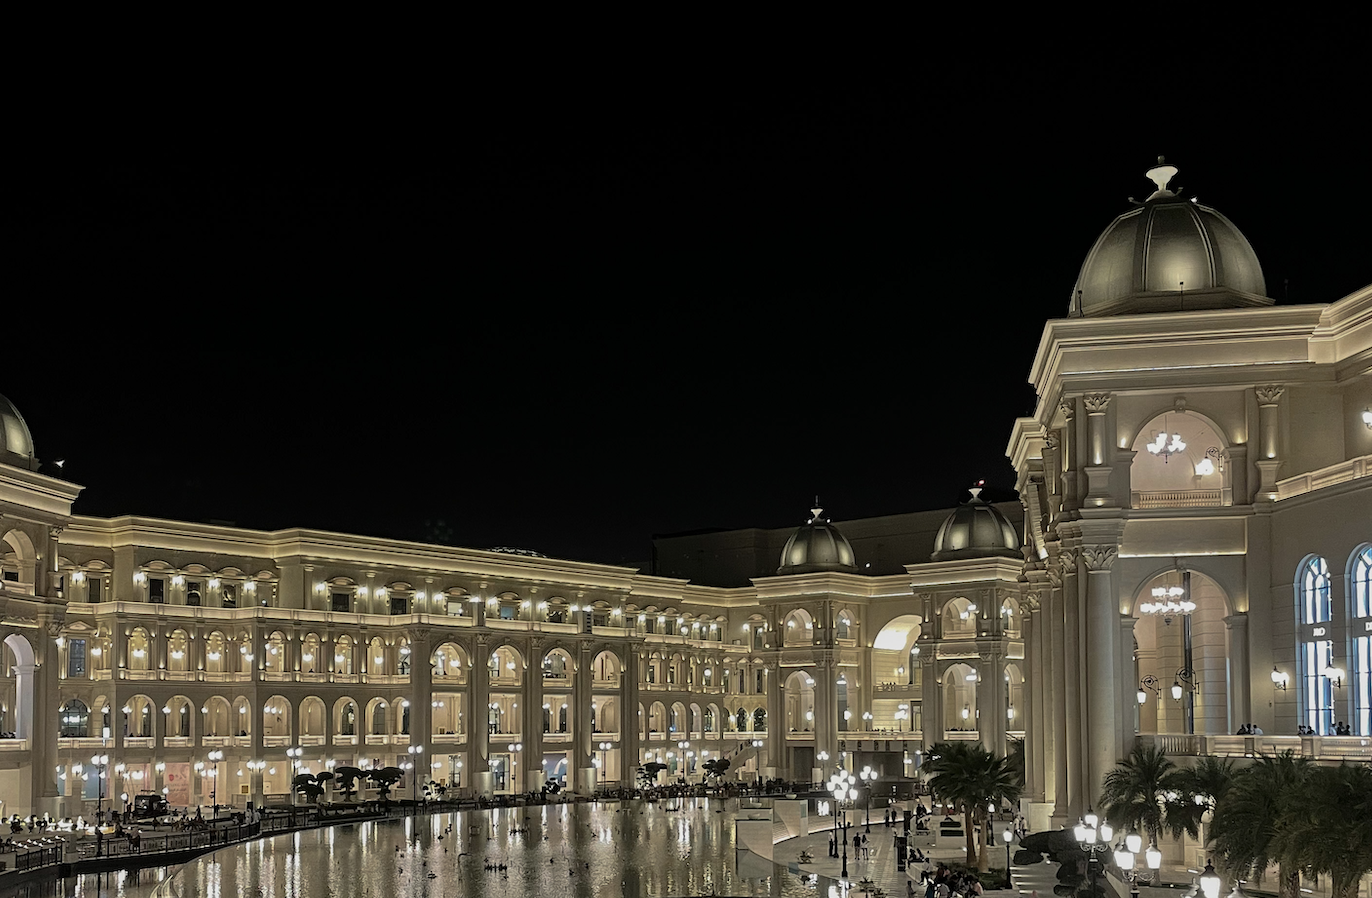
[(1261, 801), (1328, 826), (1196, 791), (973, 779), (1135, 791)]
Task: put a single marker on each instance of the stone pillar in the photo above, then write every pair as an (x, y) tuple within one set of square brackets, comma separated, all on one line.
[(1098, 450), (1102, 626), (421, 700), (991, 701), (629, 743), (531, 720), (1035, 714), (581, 737), (1128, 684), (931, 699), (1055, 700), (43, 724), (1073, 709), (1268, 462), (478, 713), (776, 723), (1240, 685), (1067, 457)]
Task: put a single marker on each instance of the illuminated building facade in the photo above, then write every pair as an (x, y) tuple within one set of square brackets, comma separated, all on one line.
[(1192, 443)]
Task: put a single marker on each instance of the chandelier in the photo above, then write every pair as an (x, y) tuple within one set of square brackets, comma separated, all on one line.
[(1165, 445), (1169, 601)]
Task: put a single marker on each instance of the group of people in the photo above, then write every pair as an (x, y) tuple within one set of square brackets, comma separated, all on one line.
[(1340, 729), (1249, 729), (942, 882)]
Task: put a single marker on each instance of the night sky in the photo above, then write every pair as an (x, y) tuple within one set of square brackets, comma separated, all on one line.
[(571, 318)]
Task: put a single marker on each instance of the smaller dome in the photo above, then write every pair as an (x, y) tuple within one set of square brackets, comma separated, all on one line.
[(16, 443), (817, 545), (976, 529)]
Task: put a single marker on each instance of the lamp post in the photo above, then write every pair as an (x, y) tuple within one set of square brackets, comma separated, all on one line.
[(869, 780), (604, 759), (844, 788), (1093, 837), (212, 771), (99, 761), (1210, 881), (1126, 858), (294, 754), (515, 748), (415, 751), (1008, 835)]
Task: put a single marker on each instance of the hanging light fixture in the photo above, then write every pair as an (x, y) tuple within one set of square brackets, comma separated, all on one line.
[(1166, 446)]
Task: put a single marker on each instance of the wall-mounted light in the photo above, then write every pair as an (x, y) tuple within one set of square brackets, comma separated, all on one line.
[(1367, 417), (1335, 674), (1279, 679)]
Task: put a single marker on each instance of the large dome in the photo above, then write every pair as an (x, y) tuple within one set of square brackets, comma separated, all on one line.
[(1168, 254), (976, 529), (16, 443), (817, 546)]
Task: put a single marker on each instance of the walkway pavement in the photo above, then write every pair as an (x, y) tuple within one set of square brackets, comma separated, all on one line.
[(880, 864)]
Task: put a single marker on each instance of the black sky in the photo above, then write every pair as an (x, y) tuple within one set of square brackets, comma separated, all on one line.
[(570, 318)]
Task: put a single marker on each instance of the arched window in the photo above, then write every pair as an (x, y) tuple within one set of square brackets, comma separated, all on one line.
[(1316, 646), (1360, 592), (742, 720), (845, 627), (348, 722), (760, 720), (75, 722)]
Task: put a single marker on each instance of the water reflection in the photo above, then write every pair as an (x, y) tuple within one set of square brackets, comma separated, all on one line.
[(579, 851)]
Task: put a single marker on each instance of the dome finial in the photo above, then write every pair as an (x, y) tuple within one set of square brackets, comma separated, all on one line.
[(816, 510), (976, 489), (1161, 174)]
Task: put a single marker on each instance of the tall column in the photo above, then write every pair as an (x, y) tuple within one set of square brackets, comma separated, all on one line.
[(1098, 450), (1236, 651), (826, 712), (1268, 462), (1035, 714), (1127, 684), (991, 701), (1067, 458), (931, 699), (478, 713), (1102, 624), (1071, 679), (42, 733), (421, 701), (629, 743), (531, 720), (581, 735), (1055, 698), (776, 723)]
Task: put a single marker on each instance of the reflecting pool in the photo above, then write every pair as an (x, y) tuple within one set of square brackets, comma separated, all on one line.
[(607, 848)]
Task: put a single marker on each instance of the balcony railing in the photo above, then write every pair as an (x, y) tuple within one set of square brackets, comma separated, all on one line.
[(1326, 748), (1176, 499)]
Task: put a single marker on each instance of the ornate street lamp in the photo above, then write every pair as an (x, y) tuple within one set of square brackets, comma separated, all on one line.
[(415, 751), (294, 753), (1126, 858), (1210, 881), (1008, 835), (1093, 837), (869, 779), (843, 787)]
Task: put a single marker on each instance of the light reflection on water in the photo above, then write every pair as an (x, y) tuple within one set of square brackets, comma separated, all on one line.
[(577, 851)]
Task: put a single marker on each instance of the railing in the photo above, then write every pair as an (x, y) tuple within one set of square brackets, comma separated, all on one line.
[(28, 860), (18, 744), (139, 741), (1326, 748), (176, 741), (1176, 499), (1352, 469), (276, 741)]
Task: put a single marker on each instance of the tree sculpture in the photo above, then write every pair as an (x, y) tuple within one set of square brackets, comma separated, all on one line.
[(347, 780)]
